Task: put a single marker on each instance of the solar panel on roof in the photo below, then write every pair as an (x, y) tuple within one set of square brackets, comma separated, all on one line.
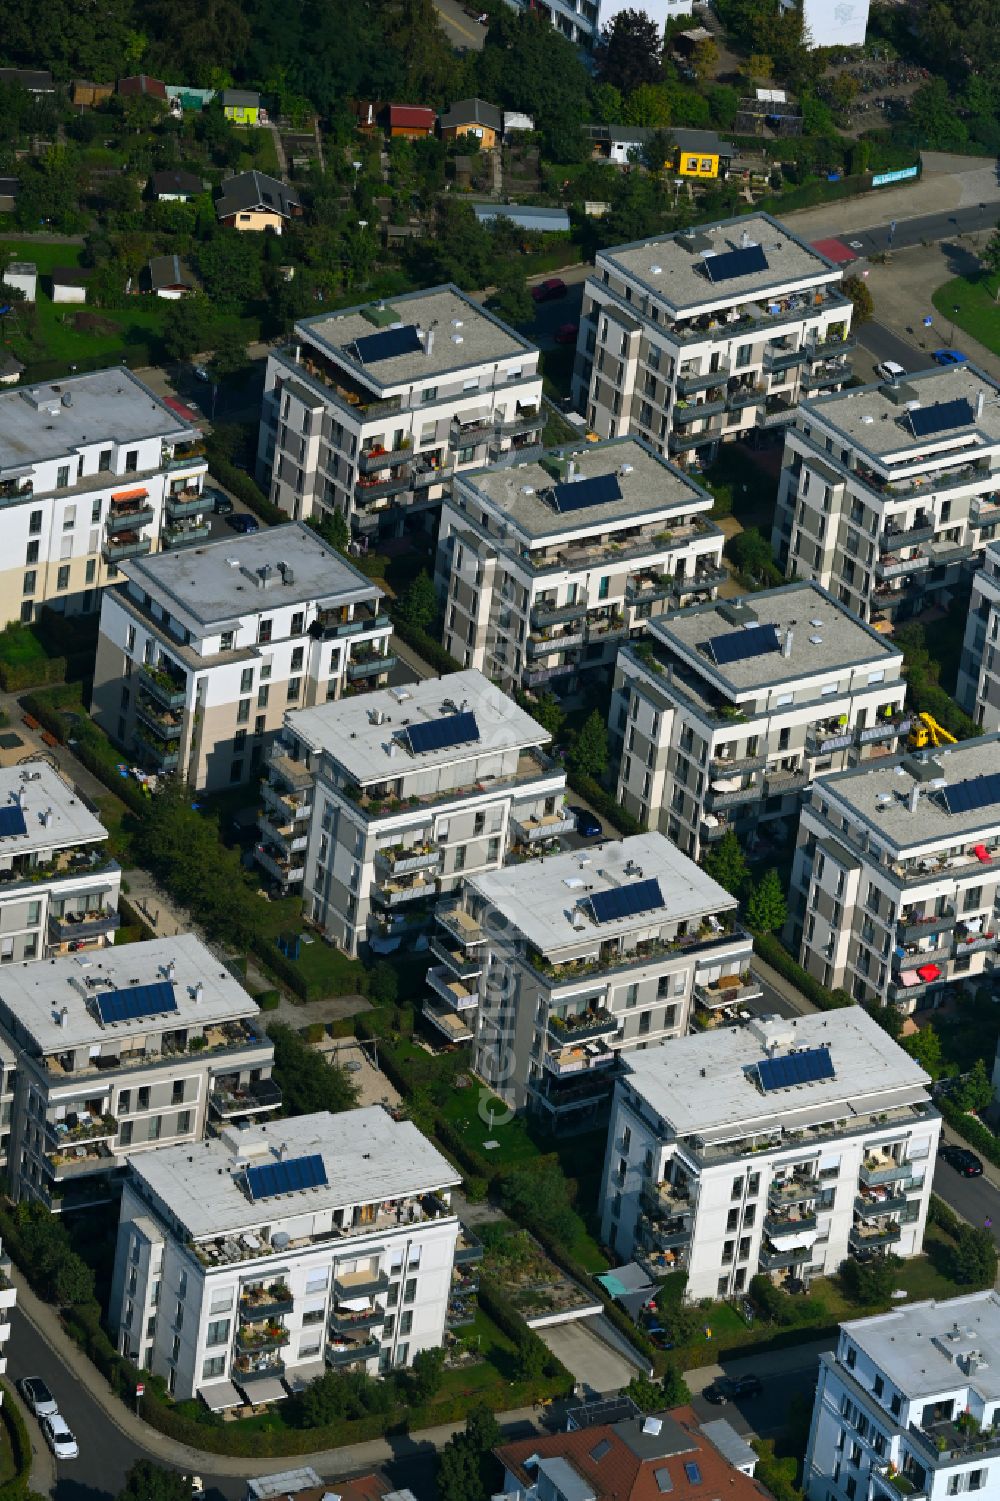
[(388, 344), (974, 792), (626, 901), (12, 820), (577, 494), (732, 263), (136, 1002), (736, 646), (941, 417), (806, 1067), (438, 734), (290, 1176)]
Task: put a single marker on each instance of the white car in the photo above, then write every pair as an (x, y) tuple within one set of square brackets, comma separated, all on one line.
[(889, 370), (59, 1437), (38, 1397)]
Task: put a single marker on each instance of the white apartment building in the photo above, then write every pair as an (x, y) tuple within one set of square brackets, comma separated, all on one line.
[(93, 469), (123, 1052), (59, 887), (978, 687), (546, 565), (909, 1404), (721, 714), (275, 1252), (887, 492), (202, 652), (894, 886), (373, 408), (711, 333), (386, 802), (585, 957), (779, 1148)]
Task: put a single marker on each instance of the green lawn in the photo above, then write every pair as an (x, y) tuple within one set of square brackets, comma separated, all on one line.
[(45, 257), (319, 963), (462, 1111), (19, 645), (258, 149), (978, 310)]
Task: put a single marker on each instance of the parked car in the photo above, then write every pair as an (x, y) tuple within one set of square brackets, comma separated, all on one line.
[(549, 290), (221, 504), (587, 825), (963, 1161), (728, 1388), (201, 373), (37, 1396), (242, 521), (59, 1437), (566, 333), (889, 370), (949, 357)]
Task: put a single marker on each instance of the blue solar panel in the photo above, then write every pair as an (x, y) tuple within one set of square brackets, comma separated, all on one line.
[(577, 494), (626, 901), (290, 1176), (136, 1002), (941, 417), (12, 820), (738, 645), (438, 734), (806, 1067), (974, 792), (735, 263), (388, 344)]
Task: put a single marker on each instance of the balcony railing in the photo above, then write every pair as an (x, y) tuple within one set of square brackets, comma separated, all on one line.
[(647, 588), (776, 358), (744, 396), (689, 381), (750, 794), (185, 536), (876, 1171), (873, 1208), (166, 724), (716, 994), (350, 1285), (776, 413), (583, 1026), (698, 410), (159, 753), (540, 826), (127, 545), (371, 460), (368, 665), (185, 504), (912, 928), (544, 646), (873, 1237), (265, 1302), (454, 992), (793, 1191), (464, 966), (665, 1234), (893, 540), (257, 1367), (86, 1127), (167, 690), (543, 614), (280, 867), (402, 860), (76, 926), (345, 1355), (348, 1321), (289, 836), (260, 1336), (701, 580), (786, 1224), (398, 893), (331, 625), (772, 1260), (129, 518), (456, 921), (255, 1098), (469, 1248)]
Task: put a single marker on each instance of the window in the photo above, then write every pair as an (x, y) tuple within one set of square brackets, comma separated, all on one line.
[(62, 480), (227, 641), (294, 689), (246, 680), (177, 1092), (132, 461), (298, 656), (603, 587), (143, 1098), (262, 695), (62, 577), (35, 524), (243, 711), (317, 1280), (29, 582), (104, 461), (222, 1301), (31, 556), (264, 628), (645, 1021), (218, 1332), (260, 724), (409, 1289), (90, 573), (878, 1386), (125, 1138), (155, 1127), (124, 1102), (298, 626), (214, 1366), (851, 1357), (405, 1323)]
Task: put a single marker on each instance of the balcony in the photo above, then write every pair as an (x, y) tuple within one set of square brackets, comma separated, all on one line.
[(184, 456), (833, 344), (77, 927), (545, 615), (779, 783), (370, 489), (984, 511), (265, 1301), (777, 357), (290, 837), (719, 993), (92, 1156), (469, 1249), (744, 396), (454, 992), (888, 727), (876, 1170), (161, 755), (889, 568), (538, 827), (128, 518), (166, 724), (81, 1126), (777, 412), (659, 1264), (873, 1237), (262, 1335), (126, 545), (544, 645), (690, 381), (169, 691), (463, 928), (468, 434), (183, 505), (790, 1191), (772, 1260), (369, 664), (582, 1027), (258, 1097), (827, 737), (946, 552), (372, 459), (949, 1441), (364, 1284), (332, 625), (577, 1058), (789, 1224), (356, 1321), (720, 766), (702, 580), (685, 442), (733, 797), (893, 538), (455, 1028), (523, 422), (456, 961), (338, 1356), (873, 1207), (647, 588), (698, 410), (186, 535), (401, 860), (398, 893), (281, 868), (664, 1233), (606, 628), (912, 927), (294, 806), (261, 1366), (970, 940)]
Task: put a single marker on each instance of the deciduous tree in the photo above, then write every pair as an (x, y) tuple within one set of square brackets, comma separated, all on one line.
[(726, 863), (974, 1259), (307, 1081), (630, 51)]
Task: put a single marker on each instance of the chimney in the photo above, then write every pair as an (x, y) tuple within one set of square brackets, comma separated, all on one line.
[(199, 991), (429, 342), (980, 402), (64, 1016), (283, 1151), (46, 818), (914, 797), (571, 469), (786, 645), (172, 971)]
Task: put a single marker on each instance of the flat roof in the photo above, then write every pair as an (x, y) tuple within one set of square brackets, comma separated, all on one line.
[(38, 422), (826, 637), (874, 421), (220, 581), (681, 281), (879, 793), (540, 899), (647, 485), (445, 309), (36, 994), (374, 750), (54, 813), (707, 1082), (918, 1346), (368, 1158)]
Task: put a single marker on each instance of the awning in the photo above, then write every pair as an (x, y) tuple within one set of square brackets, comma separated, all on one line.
[(630, 1278), (354, 1305), (138, 494), (475, 415), (304, 1375), (981, 853), (266, 1389), (928, 972), (909, 977), (220, 1395), (793, 1242)]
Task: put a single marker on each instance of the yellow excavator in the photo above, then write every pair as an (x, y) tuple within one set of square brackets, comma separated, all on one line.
[(925, 731)]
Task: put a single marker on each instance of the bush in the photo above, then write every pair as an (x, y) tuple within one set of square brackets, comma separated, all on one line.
[(268, 1000), (243, 487), (20, 1447), (605, 804), (971, 1129), (432, 652), (773, 952), (314, 1032)]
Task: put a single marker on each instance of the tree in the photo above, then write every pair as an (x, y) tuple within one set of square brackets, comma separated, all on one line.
[(925, 1047), (989, 257), (513, 300), (466, 1467), (726, 863), (418, 606), (767, 908), (383, 985), (308, 1083), (189, 327), (334, 530), (589, 756), (888, 1018), (934, 118), (870, 1283), (230, 355), (630, 51), (146, 1481), (425, 1376), (857, 291), (974, 1259), (676, 1392), (759, 67), (845, 90), (230, 267), (530, 1357), (648, 105), (546, 709), (769, 1301), (751, 551), (974, 1092), (705, 59), (658, 150), (646, 1394), (540, 1193)]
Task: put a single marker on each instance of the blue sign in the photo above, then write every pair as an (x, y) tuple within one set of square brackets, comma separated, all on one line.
[(881, 178), (928, 322)]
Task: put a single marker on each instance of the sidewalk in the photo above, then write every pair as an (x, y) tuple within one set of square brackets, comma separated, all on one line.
[(763, 1363), (784, 987)]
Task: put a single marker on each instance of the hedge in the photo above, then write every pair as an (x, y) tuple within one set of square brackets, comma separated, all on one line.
[(498, 1307), (774, 953), (132, 918), (20, 1445), (432, 652), (243, 487), (971, 1128), (290, 974), (90, 745), (14, 676), (603, 802), (268, 1000)]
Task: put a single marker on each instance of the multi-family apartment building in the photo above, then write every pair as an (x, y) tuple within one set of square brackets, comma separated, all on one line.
[(888, 491), (122, 1052), (722, 713), (546, 565), (374, 807), (93, 469), (201, 653), (780, 1148), (712, 333), (895, 880), (585, 957), (279, 1251), (978, 686), (59, 886), (370, 411), (909, 1404)]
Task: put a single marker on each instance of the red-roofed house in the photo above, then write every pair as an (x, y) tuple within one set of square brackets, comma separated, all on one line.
[(141, 83), (411, 121)]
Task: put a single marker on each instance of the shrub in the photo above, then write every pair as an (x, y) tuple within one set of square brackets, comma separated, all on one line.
[(243, 487), (605, 804), (773, 951), (315, 1032), (268, 1000), (426, 647)]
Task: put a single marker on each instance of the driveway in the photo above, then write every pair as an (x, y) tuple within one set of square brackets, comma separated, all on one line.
[(594, 1365)]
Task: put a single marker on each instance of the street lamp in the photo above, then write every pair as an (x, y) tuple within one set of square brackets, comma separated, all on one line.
[(956, 308)]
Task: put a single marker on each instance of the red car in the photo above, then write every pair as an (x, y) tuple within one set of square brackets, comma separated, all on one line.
[(548, 291), (566, 333)]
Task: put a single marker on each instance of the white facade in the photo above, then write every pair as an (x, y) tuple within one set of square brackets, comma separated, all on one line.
[(219, 1284), (716, 1167), (372, 409), (565, 989), (978, 687), (705, 745), (540, 587), (895, 883), (909, 1404), (687, 355), (201, 652), (92, 470), (887, 492)]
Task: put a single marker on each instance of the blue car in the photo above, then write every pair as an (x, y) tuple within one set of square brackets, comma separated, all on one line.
[(242, 521), (586, 824), (949, 357)]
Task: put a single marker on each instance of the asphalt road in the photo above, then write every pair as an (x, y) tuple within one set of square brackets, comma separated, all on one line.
[(463, 32), (975, 1199), (909, 232), (765, 1416)]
